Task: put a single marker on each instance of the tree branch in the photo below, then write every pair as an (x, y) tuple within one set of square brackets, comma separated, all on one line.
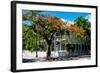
[(52, 35)]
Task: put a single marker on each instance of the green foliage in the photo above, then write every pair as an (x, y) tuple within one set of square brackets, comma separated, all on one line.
[(29, 39), (83, 23), (86, 25)]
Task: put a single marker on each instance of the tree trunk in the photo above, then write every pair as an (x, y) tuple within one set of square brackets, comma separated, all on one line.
[(48, 52), (36, 54)]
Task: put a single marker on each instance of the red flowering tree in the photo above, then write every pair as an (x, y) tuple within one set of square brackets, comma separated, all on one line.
[(46, 27)]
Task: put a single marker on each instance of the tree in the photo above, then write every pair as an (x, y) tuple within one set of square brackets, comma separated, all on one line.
[(83, 23), (86, 25), (45, 26), (29, 40)]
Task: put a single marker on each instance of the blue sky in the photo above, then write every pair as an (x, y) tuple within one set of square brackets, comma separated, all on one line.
[(67, 16)]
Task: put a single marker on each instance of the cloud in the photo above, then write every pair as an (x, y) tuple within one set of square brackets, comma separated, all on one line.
[(70, 22), (63, 20)]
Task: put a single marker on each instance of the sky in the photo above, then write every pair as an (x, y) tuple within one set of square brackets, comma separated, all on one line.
[(65, 16)]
